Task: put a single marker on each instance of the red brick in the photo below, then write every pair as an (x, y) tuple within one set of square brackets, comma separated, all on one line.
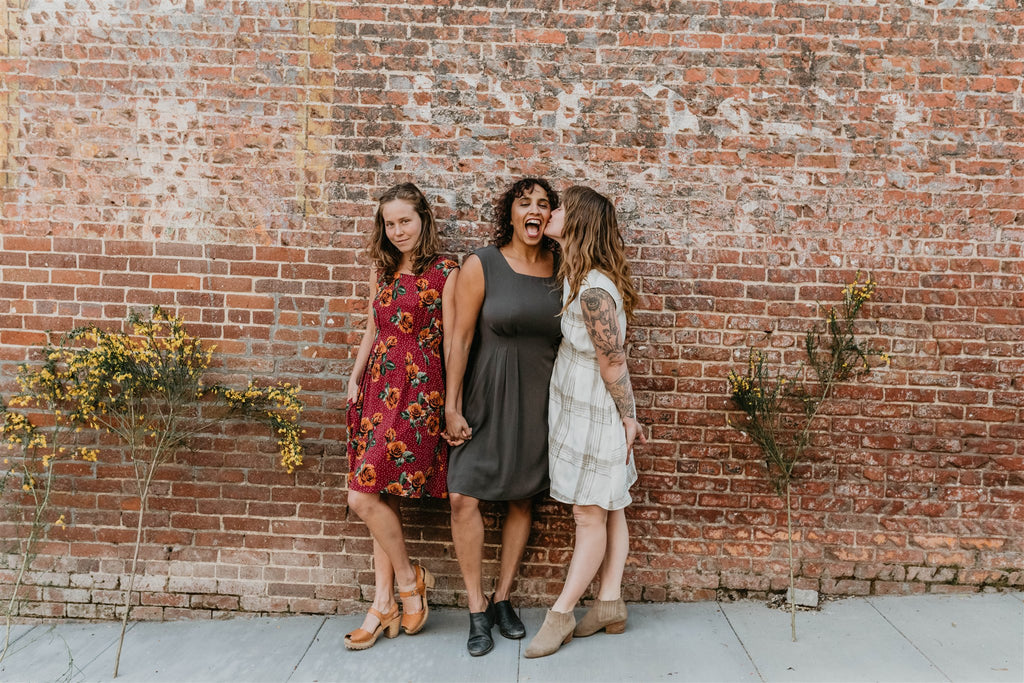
[(744, 207)]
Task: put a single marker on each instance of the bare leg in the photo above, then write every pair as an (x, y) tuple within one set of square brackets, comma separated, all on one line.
[(514, 535), (587, 555), (468, 535), (384, 586), (380, 513), (615, 554)]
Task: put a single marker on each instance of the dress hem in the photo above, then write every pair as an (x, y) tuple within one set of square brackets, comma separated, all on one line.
[(565, 499), (503, 499)]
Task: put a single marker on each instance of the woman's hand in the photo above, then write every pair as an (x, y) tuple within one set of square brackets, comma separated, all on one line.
[(353, 394), (457, 431), (634, 434)]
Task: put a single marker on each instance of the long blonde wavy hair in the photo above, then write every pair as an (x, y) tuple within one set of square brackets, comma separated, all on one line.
[(592, 241)]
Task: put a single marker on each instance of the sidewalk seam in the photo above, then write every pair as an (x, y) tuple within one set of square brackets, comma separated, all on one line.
[(904, 636), (739, 640), (304, 652), (519, 649)]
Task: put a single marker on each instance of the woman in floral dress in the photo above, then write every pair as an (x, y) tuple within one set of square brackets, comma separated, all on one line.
[(396, 403)]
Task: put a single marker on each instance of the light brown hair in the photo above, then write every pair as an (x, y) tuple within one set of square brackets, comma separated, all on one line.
[(592, 241), (385, 255)]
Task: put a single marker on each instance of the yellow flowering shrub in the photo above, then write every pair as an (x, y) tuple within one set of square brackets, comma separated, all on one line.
[(143, 384), (39, 427), (779, 407)]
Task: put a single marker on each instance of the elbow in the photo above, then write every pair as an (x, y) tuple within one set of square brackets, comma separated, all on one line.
[(614, 367)]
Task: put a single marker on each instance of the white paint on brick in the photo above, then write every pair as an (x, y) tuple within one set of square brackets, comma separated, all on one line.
[(957, 4), (904, 115), (511, 102), (680, 118), (173, 176), (736, 115), (794, 130), (569, 106), (414, 111), (825, 95)]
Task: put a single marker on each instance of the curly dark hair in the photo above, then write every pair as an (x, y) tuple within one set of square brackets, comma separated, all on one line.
[(502, 220)]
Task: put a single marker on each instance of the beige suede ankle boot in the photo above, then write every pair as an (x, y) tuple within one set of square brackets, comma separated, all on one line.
[(555, 632), (609, 615)]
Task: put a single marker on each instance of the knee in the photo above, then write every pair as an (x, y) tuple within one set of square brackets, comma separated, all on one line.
[(359, 502), (520, 508), (462, 505), (589, 515)]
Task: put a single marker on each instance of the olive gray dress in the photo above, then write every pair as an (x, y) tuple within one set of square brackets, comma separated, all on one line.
[(505, 389)]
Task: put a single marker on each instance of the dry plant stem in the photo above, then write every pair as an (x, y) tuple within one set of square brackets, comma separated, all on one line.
[(768, 404), (792, 580), (137, 442), (37, 525), (143, 500)]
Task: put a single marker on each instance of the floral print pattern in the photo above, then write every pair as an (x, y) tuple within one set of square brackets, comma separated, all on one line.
[(394, 427)]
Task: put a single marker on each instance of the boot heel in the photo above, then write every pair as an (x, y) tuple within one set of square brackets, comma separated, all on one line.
[(567, 639), (617, 627)]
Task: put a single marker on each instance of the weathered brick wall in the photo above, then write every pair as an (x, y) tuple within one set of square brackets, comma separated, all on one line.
[(222, 158)]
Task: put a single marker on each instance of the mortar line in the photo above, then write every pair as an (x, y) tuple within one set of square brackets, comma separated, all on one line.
[(304, 133), (12, 48)]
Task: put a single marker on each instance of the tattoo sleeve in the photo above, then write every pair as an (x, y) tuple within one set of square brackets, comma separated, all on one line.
[(602, 324)]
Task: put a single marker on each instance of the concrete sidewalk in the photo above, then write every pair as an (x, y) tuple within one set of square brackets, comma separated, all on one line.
[(913, 638)]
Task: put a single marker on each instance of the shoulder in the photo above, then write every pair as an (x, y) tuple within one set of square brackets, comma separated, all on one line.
[(481, 262), (595, 279), (445, 265)]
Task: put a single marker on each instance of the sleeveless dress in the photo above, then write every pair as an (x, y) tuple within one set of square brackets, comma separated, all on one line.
[(504, 395), (394, 426), (587, 444)]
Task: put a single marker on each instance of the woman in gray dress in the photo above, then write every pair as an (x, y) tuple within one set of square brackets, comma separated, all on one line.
[(505, 337)]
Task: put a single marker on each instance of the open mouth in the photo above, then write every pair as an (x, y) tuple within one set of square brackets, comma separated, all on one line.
[(533, 227)]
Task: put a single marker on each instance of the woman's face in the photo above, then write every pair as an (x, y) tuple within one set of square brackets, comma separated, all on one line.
[(556, 224), (402, 224), (530, 214)]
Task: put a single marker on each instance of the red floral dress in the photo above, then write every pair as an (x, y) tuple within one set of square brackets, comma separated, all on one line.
[(394, 426)]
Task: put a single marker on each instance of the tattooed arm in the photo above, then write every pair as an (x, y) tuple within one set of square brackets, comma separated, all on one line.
[(602, 323)]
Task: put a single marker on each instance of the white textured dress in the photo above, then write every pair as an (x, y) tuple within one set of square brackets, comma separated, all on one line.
[(586, 439)]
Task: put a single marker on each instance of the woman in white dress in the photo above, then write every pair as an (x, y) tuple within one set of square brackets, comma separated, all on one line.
[(591, 415)]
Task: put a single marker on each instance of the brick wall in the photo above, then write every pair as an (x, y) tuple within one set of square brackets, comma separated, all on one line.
[(222, 158)]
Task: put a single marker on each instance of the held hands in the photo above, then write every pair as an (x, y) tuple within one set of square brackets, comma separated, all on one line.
[(457, 430), (634, 434)]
